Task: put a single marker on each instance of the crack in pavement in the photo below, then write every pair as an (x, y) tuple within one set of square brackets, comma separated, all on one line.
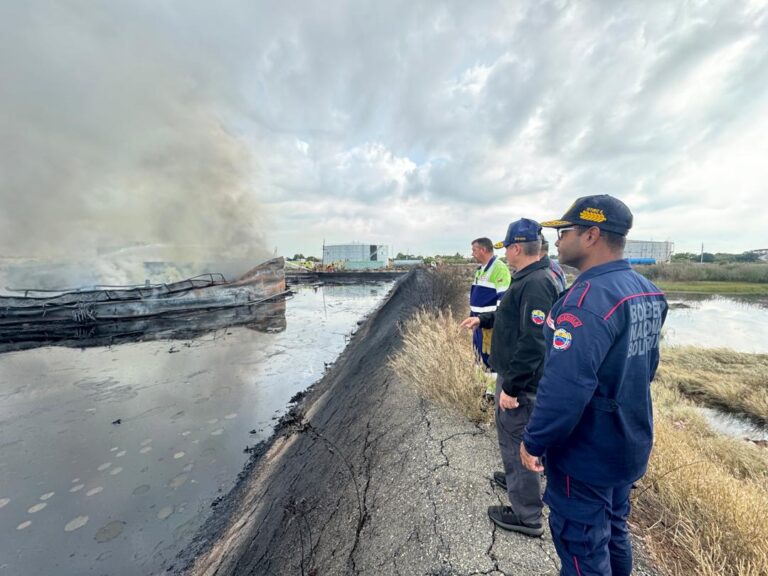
[(364, 517), (444, 547), (443, 442)]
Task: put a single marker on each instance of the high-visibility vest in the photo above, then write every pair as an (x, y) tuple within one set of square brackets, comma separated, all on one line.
[(488, 287)]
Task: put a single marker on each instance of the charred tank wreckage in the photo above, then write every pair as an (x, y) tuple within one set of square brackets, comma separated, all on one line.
[(106, 315)]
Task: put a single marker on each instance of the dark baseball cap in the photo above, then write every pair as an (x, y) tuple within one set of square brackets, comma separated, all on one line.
[(604, 211), (523, 230)]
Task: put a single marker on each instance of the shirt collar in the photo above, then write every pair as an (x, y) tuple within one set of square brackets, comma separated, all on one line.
[(530, 268), (612, 266), (490, 263)]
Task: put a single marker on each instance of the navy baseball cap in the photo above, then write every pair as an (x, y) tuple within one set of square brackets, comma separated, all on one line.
[(523, 230), (604, 211)]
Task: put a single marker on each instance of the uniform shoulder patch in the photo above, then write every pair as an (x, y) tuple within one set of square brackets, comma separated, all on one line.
[(570, 319), (538, 317), (562, 339)]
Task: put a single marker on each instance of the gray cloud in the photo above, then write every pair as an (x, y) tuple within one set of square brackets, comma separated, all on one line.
[(368, 120)]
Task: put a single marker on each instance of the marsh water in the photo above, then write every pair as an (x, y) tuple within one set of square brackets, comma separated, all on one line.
[(721, 322), (718, 322), (111, 456)]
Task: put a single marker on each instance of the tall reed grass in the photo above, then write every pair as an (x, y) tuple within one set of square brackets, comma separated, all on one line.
[(721, 378), (438, 359), (704, 501)]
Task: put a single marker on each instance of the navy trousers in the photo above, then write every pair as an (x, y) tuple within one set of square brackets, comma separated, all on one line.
[(589, 526)]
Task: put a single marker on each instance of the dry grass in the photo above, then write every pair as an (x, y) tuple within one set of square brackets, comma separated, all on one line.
[(703, 504), (702, 508), (438, 359), (720, 378)]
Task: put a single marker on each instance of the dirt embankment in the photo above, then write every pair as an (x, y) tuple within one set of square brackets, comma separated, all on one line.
[(365, 477), (303, 501)]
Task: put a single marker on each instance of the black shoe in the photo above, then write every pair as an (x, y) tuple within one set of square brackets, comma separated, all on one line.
[(504, 517), (501, 479)]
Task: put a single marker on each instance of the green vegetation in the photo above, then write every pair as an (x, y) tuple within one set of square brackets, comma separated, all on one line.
[(719, 257), (439, 258), (690, 272), (301, 257), (725, 288)]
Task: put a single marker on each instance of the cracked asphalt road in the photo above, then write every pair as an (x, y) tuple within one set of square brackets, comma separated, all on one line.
[(368, 478)]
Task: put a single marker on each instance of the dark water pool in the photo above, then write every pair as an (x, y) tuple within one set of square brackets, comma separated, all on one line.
[(80, 495)]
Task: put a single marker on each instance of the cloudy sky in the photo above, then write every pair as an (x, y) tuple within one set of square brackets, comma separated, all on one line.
[(244, 126)]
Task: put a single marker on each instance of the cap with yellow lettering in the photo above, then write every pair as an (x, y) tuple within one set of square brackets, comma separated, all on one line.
[(604, 211), (523, 230)]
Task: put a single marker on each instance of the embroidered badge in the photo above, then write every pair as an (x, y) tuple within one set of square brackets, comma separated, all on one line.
[(537, 317), (570, 318), (562, 339), (593, 215), (550, 322)]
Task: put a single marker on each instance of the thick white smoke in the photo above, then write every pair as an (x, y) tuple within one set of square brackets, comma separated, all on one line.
[(112, 134)]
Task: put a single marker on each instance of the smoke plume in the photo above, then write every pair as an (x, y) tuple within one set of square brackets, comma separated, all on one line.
[(113, 135)]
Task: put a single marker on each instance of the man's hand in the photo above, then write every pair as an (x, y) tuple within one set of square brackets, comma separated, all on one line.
[(470, 323), (507, 402), (531, 462)]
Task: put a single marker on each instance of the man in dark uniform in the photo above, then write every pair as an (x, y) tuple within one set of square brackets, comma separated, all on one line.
[(592, 421), (517, 355), (554, 267)]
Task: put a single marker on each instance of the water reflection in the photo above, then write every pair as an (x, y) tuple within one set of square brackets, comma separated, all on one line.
[(111, 456), (733, 425), (716, 321)]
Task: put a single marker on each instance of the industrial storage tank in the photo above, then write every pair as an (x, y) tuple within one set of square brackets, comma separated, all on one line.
[(648, 251), (356, 256)]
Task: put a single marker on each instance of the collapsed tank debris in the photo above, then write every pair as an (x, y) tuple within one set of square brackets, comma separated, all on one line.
[(113, 314)]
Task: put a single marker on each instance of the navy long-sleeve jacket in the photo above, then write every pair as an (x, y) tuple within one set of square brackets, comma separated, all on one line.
[(593, 416)]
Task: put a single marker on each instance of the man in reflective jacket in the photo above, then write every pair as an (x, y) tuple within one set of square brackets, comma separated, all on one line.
[(491, 281), (592, 420)]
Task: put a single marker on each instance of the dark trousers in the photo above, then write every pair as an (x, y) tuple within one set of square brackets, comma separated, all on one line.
[(523, 486), (589, 526)]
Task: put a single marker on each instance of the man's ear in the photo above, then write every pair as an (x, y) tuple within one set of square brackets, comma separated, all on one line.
[(593, 235)]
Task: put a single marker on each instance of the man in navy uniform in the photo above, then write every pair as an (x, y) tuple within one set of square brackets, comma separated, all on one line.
[(558, 275), (517, 356), (592, 420)]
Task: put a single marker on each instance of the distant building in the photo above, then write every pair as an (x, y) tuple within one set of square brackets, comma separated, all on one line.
[(648, 252), (356, 256), (762, 254)]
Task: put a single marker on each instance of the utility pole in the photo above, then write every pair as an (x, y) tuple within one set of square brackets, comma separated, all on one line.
[(701, 258)]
